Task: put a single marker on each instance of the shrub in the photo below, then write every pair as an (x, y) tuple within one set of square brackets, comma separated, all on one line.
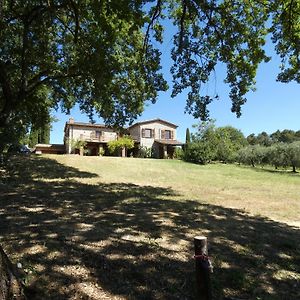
[(293, 155), (278, 155), (145, 152), (178, 153), (101, 151), (198, 152), (253, 155), (122, 142), (76, 144)]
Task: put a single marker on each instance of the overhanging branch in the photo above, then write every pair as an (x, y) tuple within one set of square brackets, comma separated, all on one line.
[(155, 15), (182, 20), (48, 79)]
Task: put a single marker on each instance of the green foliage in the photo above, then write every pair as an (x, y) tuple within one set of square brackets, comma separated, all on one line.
[(234, 33), (199, 152), (79, 144), (12, 134), (187, 136), (178, 153), (284, 155), (293, 155), (251, 139), (210, 32), (123, 142), (215, 143), (253, 155), (262, 154), (90, 52), (33, 138), (263, 139), (101, 151), (284, 136), (40, 135), (288, 136), (228, 141), (113, 146), (145, 152), (76, 144), (245, 156), (278, 155), (286, 35), (102, 55)]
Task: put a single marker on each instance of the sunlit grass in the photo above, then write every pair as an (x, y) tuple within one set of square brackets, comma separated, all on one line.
[(258, 191)]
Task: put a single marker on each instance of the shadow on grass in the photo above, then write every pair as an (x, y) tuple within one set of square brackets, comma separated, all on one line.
[(124, 241), (27, 168), (272, 170)]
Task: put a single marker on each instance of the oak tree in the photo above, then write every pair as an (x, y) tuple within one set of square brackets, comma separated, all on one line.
[(103, 56), (87, 52)]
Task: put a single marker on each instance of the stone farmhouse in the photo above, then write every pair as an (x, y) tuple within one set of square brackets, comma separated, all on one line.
[(158, 135), (96, 136)]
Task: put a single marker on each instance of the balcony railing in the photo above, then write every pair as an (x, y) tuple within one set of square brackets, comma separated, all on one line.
[(99, 139)]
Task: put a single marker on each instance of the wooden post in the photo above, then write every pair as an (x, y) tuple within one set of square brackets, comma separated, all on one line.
[(203, 268), (81, 151), (123, 152), (165, 151)]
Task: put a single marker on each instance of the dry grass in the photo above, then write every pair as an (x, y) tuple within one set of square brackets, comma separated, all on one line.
[(113, 228), (258, 191)]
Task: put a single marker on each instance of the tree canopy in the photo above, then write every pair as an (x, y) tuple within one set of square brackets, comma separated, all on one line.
[(214, 143), (284, 136), (103, 56)]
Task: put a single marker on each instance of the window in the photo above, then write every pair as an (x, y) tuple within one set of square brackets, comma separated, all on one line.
[(168, 135), (147, 133), (98, 134)]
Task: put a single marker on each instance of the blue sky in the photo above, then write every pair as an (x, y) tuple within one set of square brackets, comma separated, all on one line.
[(272, 106)]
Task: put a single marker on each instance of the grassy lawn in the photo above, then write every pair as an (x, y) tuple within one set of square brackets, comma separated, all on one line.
[(113, 228)]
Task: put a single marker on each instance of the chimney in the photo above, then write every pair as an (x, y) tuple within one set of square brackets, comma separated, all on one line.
[(71, 120)]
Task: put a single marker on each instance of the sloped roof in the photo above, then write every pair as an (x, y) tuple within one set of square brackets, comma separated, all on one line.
[(86, 124), (169, 142), (50, 146), (153, 121), (82, 124)]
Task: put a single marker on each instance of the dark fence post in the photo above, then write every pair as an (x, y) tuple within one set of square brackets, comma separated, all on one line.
[(203, 269)]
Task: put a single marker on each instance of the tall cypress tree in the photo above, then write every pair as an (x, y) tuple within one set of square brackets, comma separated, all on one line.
[(40, 132), (33, 137), (187, 136), (45, 133)]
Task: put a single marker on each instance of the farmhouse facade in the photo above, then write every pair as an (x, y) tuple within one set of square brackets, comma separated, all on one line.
[(96, 136), (157, 135)]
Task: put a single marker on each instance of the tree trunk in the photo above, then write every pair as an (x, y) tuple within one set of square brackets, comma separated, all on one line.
[(294, 169), (10, 286)]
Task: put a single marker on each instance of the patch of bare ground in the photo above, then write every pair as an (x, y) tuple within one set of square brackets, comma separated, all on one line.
[(122, 240)]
